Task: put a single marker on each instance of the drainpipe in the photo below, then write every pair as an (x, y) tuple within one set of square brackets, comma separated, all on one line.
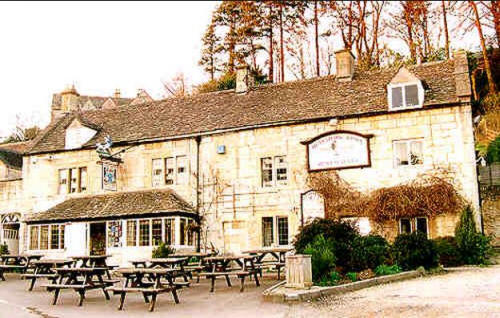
[(198, 141)]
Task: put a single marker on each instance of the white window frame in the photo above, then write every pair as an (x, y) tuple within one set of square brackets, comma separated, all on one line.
[(421, 95), (175, 175), (49, 240), (413, 224), (408, 150), (274, 172), (68, 180), (275, 234)]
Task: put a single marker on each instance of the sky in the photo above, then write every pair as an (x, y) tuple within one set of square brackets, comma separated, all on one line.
[(98, 46)]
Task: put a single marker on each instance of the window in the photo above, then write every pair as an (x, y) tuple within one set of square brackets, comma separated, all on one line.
[(63, 181), (73, 180), (183, 225), (62, 244), (157, 177), (169, 231), (54, 237), (181, 170), (131, 232), (405, 95), (169, 170), (267, 231), (408, 153), (144, 226), (410, 225), (282, 230), (191, 232), (156, 231), (44, 237), (34, 237), (274, 171), (281, 170)]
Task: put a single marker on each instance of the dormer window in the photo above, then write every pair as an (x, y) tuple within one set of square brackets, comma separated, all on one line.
[(405, 91), (77, 135)]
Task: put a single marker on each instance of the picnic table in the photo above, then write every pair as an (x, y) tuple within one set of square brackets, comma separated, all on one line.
[(92, 261), (278, 257), (220, 266), (80, 279), (176, 263), (14, 261), (159, 280), (44, 268)]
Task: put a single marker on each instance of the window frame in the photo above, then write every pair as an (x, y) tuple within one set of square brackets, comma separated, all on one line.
[(274, 161), (61, 234), (177, 178), (275, 239), (413, 224), (408, 143), (69, 172), (175, 231), (420, 94)]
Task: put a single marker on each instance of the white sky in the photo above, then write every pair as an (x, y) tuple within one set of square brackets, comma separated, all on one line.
[(98, 46)]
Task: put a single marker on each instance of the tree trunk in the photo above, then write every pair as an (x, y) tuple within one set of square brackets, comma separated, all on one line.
[(495, 8), (316, 35), (489, 75), (271, 50), (282, 50), (446, 35)]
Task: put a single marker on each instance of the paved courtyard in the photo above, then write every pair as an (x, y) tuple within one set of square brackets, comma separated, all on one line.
[(469, 293)]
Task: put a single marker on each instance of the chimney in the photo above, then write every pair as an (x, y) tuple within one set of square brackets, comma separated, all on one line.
[(117, 93), (69, 99), (461, 73), (344, 61), (243, 79)]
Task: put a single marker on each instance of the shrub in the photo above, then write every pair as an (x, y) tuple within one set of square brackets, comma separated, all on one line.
[(369, 252), (4, 249), (384, 269), (448, 252), (474, 247), (340, 233), (163, 251), (330, 280), (322, 257), (413, 250), (352, 276)]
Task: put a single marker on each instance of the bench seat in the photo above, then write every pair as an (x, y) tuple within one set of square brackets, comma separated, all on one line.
[(60, 286), (40, 275), (239, 273)]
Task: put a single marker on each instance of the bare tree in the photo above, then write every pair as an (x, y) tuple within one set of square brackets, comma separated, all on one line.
[(177, 86)]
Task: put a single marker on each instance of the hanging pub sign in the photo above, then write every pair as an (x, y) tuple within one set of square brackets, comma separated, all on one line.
[(338, 149), (312, 205), (109, 173)]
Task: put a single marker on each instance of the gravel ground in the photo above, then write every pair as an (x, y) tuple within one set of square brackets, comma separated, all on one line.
[(472, 292)]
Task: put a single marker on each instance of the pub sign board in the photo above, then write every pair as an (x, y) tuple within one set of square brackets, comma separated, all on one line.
[(338, 149), (109, 173)]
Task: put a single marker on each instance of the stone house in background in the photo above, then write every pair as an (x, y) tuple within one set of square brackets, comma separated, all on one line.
[(237, 161)]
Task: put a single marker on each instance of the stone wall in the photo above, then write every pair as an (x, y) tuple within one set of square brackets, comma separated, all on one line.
[(491, 216)]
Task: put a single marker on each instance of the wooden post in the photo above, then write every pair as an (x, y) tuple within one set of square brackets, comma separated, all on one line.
[(298, 271)]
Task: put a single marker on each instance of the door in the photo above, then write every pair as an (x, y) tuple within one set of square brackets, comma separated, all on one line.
[(75, 239), (98, 238)]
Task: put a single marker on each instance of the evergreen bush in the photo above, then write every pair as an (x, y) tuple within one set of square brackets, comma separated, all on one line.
[(369, 252), (474, 247), (163, 251), (4, 249), (413, 250), (384, 269), (322, 257), (448, 252)]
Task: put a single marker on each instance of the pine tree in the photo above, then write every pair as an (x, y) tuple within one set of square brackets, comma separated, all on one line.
[(211, 48)]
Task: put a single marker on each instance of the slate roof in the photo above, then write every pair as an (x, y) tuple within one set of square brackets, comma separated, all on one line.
[(12, 153), (113, 205), (318, 98), (97, 101)]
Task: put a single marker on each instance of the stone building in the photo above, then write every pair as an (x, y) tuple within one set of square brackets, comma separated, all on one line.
[(236, 161)]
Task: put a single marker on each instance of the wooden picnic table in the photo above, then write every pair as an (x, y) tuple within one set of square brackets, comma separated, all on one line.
[(44, 268), (220, 266), (91, 261), (16, 261), (177, 263), (278, 255), (80, 279), (159, 280)]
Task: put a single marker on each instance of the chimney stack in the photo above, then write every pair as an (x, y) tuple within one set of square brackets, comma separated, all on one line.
[(344, 61), (462, 79), (69, 99), (243, 79), (117, 93)]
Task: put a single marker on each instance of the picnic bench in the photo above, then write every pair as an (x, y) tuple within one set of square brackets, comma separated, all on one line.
[(44, 268), (92, 261), (195, 263), (12, 262), (160, 280), (80, 280), (220, 266), (178, 263), (277, 258)]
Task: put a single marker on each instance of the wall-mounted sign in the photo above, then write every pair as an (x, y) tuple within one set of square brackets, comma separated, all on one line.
[(313, 206), (109, 174), (338, 150)]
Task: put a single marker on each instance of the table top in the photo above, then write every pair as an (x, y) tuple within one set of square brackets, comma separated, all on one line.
[(81, 269), (52, 261), (190, 254), (269, 250), (228, 257), (90, 256), (140, 270), (168, 260), (21, 256)]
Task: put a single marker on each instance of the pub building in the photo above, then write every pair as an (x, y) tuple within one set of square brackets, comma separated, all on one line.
[(229, 169)]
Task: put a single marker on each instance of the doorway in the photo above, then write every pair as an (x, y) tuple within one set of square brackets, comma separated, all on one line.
[(98, 238)]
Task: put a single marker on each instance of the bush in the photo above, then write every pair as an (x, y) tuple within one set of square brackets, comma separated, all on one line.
[(163, 251), (474, 247), (413, 250), (352, 276), (340, 234), (330, 280), (4, 249), (369, 252), (383, 269), (448, 252), (322, 257)]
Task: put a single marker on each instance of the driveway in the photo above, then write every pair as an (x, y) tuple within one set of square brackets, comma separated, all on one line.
[(467, 293)]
